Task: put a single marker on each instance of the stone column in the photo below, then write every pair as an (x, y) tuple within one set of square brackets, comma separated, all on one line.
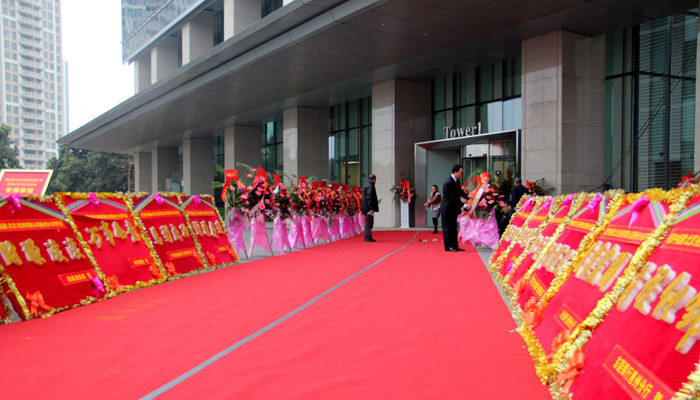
[(198, 166), (240, 14), (164, 58), (164, 162), (400, 118), (142, 172), (563, 95), (305, 142), (242, 144), (142, 73), (197, 36)]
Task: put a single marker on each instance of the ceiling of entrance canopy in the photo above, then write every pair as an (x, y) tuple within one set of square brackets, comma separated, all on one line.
[(314, 53)]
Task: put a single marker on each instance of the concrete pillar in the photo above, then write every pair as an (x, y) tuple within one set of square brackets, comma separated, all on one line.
[(240, 14), (401, 117), (563, 95), (198, 166), (142, 172), (142, 73), (197, 36), (164, 162), (242, 145), (164, 58), (305, 142)]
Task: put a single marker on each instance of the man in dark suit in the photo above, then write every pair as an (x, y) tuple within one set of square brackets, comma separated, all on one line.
[(369, 205), (451, 206)]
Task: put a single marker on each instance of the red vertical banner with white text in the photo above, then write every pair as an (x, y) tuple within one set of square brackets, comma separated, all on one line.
[(105, 223), (163, 222), (44, 266), (645, 348), (209, 230)]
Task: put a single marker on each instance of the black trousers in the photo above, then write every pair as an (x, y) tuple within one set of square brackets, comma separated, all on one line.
[(369, 224), (449, 230)]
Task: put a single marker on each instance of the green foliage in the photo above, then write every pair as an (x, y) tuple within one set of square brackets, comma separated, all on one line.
[(79, 170), (8, 152)]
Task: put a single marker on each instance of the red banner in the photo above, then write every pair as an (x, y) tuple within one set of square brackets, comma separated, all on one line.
[(169, 232), (209, 230), (517, 222), (24, 181), (661, 303), (47, 267), (106, 225)]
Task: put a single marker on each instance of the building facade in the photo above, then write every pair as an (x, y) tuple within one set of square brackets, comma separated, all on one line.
[(582, 95), (33, 79)]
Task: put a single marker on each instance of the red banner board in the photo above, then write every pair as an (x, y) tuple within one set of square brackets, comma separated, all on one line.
[(43, 259), (162, 219), (24, 181), (655, 358), (105, 223), (561, 251), (515, 227), (209, 230), (596, 271)]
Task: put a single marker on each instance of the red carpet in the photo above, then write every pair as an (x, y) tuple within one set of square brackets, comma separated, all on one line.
[(330, 322)]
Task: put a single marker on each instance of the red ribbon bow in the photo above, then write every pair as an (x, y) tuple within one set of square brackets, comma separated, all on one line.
[(170, 267), (533, 312), (573, 367), (519, 287), (36, 301), (153, 269), (211, 257), (114, 283), (560, 339)]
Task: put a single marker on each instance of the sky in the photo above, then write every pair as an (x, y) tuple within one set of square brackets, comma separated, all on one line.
[(97, 79)]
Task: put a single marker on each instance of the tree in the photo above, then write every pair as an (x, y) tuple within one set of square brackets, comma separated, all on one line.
[(8, 152), (79, 170)]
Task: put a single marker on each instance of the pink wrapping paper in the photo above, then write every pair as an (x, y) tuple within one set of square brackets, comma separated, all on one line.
[(346, 226), (296, 233), (235, 225), (279, 235), (306, 228), (464, 228), (360, 222), (335, 228), (319, 230), (485, 231), (258, 235)]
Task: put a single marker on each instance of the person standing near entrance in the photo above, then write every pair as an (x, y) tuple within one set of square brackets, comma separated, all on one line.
[(517, 192), (451, 206), (369, 205), (434, 204)]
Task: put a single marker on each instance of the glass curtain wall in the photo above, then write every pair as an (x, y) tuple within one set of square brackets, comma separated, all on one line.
[(488, 94), (350, 141), (272, 153), (650, 103)]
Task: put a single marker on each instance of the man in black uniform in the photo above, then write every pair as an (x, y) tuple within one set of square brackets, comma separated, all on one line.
[(369, 205), (451, 207), (517, 192)]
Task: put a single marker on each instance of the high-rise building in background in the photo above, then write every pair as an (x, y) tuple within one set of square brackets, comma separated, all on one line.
[(33, 100)]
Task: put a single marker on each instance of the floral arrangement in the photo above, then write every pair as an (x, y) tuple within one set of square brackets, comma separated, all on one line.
[(534, 188), (404, 191), (689, 179), (254, 195), (489, 199)]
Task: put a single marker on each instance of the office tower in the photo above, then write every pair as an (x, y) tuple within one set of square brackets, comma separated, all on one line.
[(33, 100)]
